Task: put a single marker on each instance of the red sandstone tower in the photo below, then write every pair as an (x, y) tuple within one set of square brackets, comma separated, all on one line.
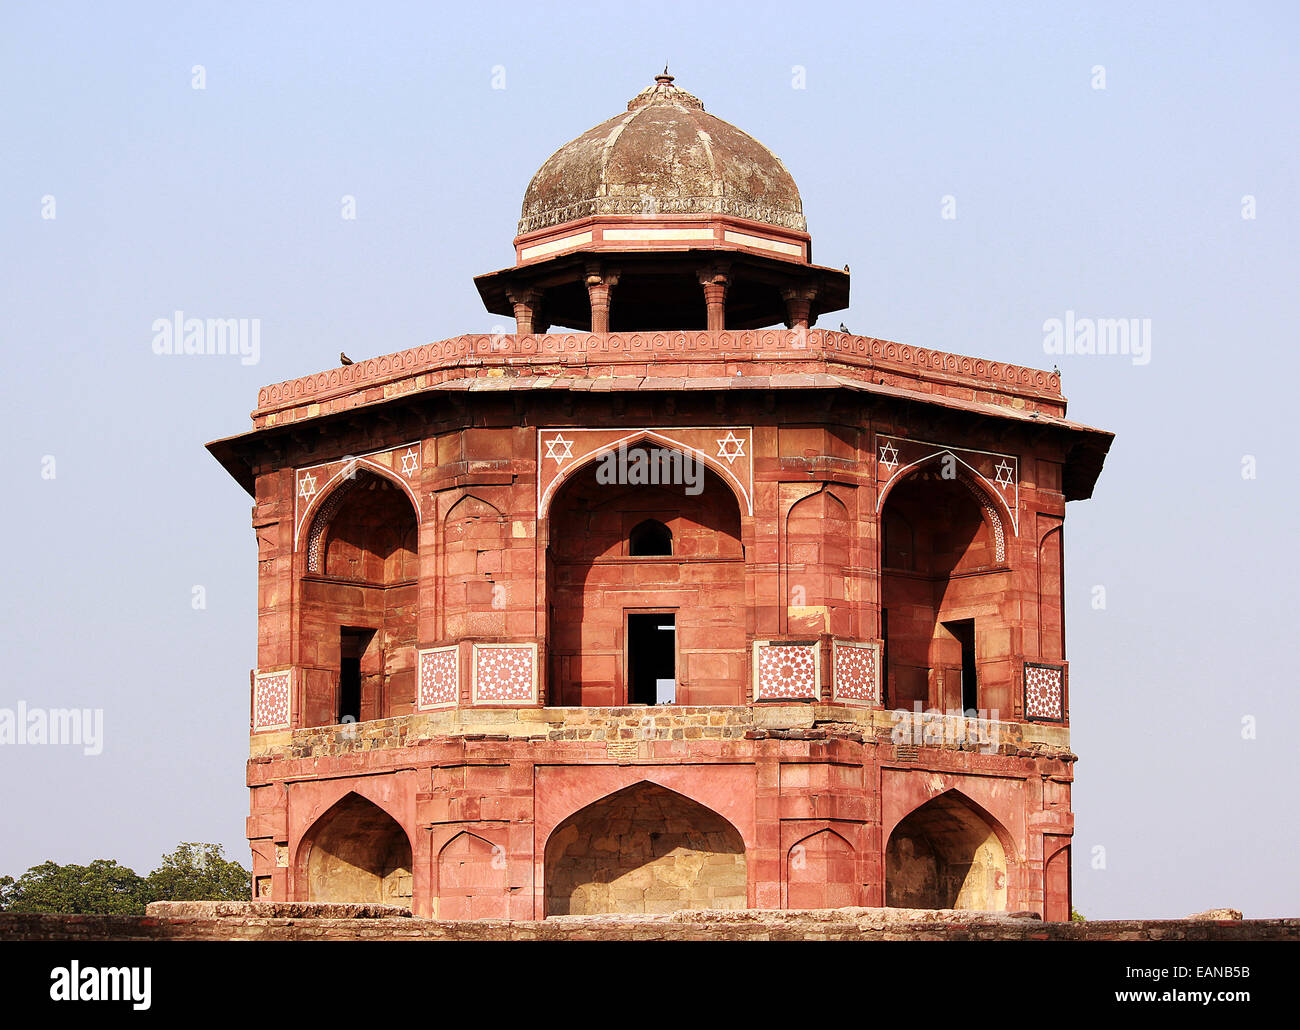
[(661, 609)]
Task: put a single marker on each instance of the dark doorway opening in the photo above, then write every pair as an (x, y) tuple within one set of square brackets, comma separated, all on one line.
[(964, 632), (352, 646), (651, 658)]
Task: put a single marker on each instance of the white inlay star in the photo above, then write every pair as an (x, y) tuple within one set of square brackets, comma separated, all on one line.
[(1004, 473), (410, 462), (731, 447), (889, 455), (559, 455), (307, 487)]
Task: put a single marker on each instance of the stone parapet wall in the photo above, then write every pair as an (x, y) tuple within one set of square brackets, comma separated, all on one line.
[(633, 725), (840, 924), (557, 354)]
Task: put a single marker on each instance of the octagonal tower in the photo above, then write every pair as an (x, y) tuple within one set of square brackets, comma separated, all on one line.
[(694, 606)]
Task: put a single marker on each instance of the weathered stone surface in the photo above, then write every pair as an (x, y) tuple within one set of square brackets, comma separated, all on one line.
[(665, 154), (692, 926), (272, 910), (1216, 913)]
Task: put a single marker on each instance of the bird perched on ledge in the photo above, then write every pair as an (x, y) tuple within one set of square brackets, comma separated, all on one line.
[(344, 359)]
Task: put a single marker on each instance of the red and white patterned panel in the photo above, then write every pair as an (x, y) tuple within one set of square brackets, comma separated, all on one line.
[(271, 693), (505, 673), (1044, 692), (855, 676), (439, 679), (786, 671)]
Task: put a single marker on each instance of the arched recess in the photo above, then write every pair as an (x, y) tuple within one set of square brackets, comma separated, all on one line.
[(473, 575), (355, 852), (646, 438), (332, 493), (943, 582), (948, 853), (1051, 595), (625, 629), (1057, 885), (953, 469), (647, 849), (472, 882), (816, 536), (357, 612), (822, 872)]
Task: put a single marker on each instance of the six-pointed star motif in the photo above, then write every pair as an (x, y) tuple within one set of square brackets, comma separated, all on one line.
[(1003, 469), (889, 455), (731, 447), (307, 487), (410, 462), (559, 455)]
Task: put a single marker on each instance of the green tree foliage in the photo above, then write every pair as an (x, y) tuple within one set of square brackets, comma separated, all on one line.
[(103, 888), (193, 872), (1076, 917), (198, 872)]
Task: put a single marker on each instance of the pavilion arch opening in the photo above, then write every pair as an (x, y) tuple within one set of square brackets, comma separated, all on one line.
[(943, 578), (358, 607), (644, 849), (605, 589), (946, 854), (356, 852)]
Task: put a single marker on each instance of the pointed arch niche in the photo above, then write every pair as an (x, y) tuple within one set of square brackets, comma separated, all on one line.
[(627, 627), (948, 853), (644, 849), (944, 574), (358, 602), (355, 852)]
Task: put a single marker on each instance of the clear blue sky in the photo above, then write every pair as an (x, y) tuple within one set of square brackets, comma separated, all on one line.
[(1116, 202)]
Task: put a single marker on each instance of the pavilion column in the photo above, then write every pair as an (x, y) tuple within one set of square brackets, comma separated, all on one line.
[(715, 282), (600, 292), (528, 305), (798, 305)]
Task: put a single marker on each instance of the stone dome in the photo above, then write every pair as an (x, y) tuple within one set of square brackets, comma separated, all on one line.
[(666, 156)]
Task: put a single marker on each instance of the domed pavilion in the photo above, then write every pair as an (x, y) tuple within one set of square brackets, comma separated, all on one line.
[(668, 599)]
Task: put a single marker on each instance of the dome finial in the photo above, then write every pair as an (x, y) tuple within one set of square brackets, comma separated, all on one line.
[(665, 77)]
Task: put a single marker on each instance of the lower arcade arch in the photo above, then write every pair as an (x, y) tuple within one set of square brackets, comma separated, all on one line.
[(947, 854), (356, 852), (644, 849)]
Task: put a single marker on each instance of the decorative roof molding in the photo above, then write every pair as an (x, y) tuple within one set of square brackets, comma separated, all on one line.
[(373, 377)]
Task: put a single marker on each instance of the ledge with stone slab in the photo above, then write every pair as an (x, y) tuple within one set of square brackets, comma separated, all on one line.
[(284, 921)]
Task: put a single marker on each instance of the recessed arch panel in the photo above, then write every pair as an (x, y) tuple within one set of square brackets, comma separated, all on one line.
[(644, 849)]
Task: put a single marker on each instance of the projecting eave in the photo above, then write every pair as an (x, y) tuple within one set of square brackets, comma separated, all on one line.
[(661, 283), (1086, 453), (229, 451)]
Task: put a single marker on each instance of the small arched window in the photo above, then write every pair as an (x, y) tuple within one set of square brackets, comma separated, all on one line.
[(650, 539)]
